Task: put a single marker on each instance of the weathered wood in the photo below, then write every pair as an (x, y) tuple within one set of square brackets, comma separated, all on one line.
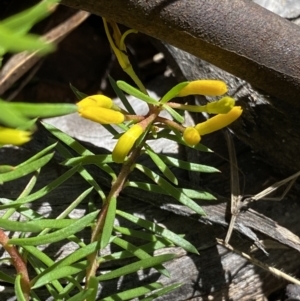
[(238, 36)]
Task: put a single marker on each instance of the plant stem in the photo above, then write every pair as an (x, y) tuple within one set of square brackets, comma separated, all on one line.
[(116, 188), (18, 262), (171, 123)]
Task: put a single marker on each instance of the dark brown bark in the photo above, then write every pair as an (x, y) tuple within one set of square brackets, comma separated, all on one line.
[(238, 36)]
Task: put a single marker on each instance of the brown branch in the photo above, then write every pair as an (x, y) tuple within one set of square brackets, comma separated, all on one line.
[(238, 36), (18, 262)]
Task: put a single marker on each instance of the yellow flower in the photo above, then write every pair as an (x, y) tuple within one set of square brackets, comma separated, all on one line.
[(204, 87), (101, 115), (101, 109), (191, 136), (219, 121), (126, 142), (96, 100), (13, 136)]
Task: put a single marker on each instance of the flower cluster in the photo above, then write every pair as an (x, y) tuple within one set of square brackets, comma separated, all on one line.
[(101, 109)]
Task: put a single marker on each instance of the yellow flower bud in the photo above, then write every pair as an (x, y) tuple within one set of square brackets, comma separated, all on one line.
[(96, 101), (13, 136), (219, 121), (101, 115), (222, 106), (126, 142), (204, 87), (191, 136)]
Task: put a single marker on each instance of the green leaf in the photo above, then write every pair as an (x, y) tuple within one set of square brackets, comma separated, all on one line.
[(173, 92), (139, 253), (174, 114), (24, 170), (77, 255), (161, 292), (7, 278), (6, 168), (35, 226), (91, 159), (74, 284), (149, 248), (121, 95), (134, 233), (77, 147), (83, 172), (93, 286), (70, 208), (158, 230), (58, 235), (108, 223), (18, 289), (193, 194), (170, 189), (36, 253), (83, 295), (77, 93), (133, 293), (9, 41), (198, 195), (136, 93), (43, 191), (66, 261), (69, 141), (188, 165), (22, 22), (40, 255), (161, 165), (59, 273), (10, 117), (39, 154), (43, 110), (136, 266), (26, 211)]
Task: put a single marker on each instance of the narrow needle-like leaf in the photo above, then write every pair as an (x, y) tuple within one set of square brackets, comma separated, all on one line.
[(170, 189), (158, 230)]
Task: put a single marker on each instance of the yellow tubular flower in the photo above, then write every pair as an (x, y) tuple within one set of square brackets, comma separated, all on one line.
[(191, 136), (13, 136), (96, 100), (101, 115), (204, 87), (126, 142), (219, 121)]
